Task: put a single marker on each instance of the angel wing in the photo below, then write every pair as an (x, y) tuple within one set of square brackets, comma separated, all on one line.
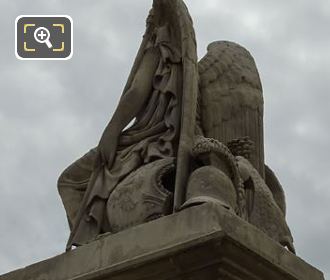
[(231, 104), (231, 97)]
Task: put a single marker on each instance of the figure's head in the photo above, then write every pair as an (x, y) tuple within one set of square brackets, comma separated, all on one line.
[(150, 18), (156, 15), (163, 11)]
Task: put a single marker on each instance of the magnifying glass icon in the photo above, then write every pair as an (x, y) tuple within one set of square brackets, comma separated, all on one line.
[(42, 35)]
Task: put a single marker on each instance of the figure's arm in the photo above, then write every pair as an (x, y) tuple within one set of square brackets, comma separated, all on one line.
[(130, 104), (133, 100)]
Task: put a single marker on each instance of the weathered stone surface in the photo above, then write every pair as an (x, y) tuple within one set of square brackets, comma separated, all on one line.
[(196, 135), (159, 101), (202, 242)]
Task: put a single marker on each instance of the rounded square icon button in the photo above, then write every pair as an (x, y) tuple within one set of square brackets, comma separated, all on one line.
[(43, 37)]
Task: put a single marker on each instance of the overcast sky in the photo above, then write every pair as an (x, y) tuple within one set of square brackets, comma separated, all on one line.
[(53, 112)]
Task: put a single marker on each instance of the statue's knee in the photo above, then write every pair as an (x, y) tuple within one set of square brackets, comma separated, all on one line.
[(62, 180), (67, 175), (78, 173)]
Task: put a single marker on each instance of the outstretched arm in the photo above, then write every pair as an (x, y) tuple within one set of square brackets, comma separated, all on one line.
[(130, 104)]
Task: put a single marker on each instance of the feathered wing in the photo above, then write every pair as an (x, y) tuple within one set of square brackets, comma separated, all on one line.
[(231, 97), (231, 104), (231, 107)]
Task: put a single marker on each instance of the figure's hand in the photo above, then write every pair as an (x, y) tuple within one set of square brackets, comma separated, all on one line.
[(107, 147)]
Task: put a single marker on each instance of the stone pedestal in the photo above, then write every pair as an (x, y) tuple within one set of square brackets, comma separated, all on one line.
[(203, 242)]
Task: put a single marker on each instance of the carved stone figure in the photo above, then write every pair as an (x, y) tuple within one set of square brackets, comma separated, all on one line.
[(197, 138), (129, 178)]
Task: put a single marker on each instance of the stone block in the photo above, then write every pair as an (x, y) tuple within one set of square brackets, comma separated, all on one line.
[(202, 242)]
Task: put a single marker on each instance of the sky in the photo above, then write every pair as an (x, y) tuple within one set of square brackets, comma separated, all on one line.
[(52, 112)]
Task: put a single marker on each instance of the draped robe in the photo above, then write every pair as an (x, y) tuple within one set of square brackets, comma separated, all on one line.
[(153, 137)]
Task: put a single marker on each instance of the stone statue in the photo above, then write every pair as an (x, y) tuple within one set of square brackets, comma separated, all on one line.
[(197, 138)]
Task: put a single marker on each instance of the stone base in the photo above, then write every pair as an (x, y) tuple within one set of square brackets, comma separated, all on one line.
[(203, 242)]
